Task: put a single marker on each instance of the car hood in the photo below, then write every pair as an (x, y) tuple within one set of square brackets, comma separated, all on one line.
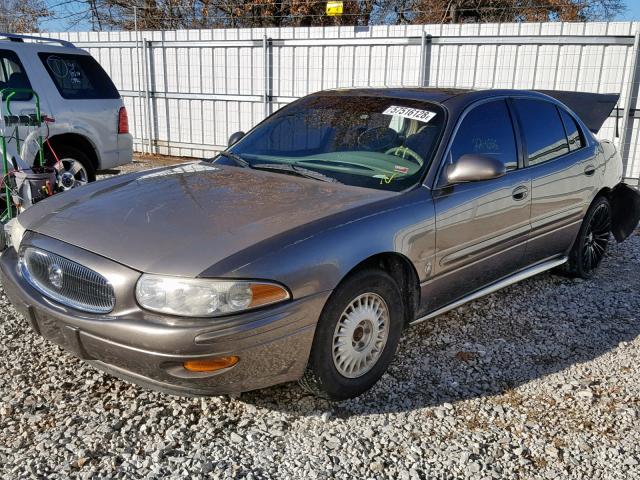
[(180, 220)]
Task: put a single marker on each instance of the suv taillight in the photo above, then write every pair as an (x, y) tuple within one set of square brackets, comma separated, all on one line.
[(123, 121)]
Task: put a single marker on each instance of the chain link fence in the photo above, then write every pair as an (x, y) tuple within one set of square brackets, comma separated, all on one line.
[(187, 91)]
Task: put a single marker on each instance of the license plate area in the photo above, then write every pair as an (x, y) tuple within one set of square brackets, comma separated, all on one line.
[(67, 336)]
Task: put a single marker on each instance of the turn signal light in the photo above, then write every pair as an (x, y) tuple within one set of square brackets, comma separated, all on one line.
[(210, 364), (266, 294)]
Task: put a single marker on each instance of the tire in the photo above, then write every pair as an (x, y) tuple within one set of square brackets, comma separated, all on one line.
[(70, 159), (359, 305), (592, 241)]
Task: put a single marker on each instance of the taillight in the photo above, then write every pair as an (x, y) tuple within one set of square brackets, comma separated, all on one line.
[(123, 121)]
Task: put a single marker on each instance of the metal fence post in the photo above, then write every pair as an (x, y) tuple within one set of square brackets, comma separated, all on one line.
[(268, 70), (145, 87), (165, 90), (425, 59), (630, 101), (149, 85), (138, 80)]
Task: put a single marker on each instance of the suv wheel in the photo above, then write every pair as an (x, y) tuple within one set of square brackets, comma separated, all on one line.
[(590, 246), (356, 337), (74, 168)]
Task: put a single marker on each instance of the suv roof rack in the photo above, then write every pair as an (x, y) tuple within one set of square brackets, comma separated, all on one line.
[(14, 37)]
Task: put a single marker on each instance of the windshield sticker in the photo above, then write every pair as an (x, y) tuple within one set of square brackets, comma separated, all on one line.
[(384, 178), (412, 113)]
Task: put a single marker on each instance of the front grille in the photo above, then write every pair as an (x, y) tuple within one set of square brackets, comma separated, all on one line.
[(66, 282)]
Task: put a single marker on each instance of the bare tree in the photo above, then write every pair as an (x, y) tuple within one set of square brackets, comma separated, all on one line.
[(457, 11), (175, 14), (19, 16)]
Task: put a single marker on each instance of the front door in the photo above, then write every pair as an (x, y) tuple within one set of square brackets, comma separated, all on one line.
[(481, 227)]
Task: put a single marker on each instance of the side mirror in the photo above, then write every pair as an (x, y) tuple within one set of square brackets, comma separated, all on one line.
[(472, 167), (234, 138)]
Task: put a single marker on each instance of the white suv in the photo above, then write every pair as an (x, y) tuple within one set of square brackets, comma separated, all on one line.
[(87, 126)]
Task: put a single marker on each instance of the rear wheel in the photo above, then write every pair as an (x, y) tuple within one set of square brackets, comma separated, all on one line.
[(356, 337), (593, 239), (73, 169)]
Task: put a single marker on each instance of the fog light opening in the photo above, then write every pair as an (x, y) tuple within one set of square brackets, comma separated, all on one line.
[(210, 364)]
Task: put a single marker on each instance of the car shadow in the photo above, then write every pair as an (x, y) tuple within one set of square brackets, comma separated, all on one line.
[(488, 347)]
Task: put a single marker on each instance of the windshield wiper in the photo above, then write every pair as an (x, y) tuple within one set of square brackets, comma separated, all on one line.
[(296, 170), (237, 159)]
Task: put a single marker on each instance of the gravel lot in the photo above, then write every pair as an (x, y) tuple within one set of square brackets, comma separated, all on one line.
[(541, 380)]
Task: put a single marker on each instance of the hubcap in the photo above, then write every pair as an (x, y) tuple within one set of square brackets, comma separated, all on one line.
[(360, 335), (596, 238), (70, 173)]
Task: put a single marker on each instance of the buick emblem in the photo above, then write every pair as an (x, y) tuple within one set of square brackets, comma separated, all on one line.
[(55, 275)]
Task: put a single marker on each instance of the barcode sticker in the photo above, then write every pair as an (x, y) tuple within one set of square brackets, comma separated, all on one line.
[(413, 113)]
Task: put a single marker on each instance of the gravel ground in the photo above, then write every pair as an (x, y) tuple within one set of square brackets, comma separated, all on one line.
[(540, 380)]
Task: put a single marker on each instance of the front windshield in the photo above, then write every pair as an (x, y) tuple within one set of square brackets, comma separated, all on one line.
[(374, 142)]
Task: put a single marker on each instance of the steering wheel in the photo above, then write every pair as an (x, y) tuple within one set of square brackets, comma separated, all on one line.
[(404, 152), (378, 138)]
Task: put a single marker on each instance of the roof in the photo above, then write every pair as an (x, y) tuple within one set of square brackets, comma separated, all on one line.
[(18, 38), (592, 108)]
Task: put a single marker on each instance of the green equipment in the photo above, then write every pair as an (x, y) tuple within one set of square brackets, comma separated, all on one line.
[(22, 184)]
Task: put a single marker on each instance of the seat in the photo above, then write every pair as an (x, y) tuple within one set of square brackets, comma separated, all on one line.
[(422, 141)]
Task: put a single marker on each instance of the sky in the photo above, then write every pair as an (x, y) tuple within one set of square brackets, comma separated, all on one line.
[(633, 11), (57, 25)]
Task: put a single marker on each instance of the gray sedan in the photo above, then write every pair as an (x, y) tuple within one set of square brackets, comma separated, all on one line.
[(304, 250)]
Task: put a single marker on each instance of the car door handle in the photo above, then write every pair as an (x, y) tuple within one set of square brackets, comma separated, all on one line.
[(520, 193), (589, 170)]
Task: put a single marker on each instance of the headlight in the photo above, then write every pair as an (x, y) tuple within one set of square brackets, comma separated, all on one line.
[(195, 297)]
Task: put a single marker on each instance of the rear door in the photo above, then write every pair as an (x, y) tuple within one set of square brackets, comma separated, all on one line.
[(482, 227), (19, 127), (564, 175)]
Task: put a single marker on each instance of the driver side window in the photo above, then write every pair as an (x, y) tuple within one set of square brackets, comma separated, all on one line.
[(487, 130)]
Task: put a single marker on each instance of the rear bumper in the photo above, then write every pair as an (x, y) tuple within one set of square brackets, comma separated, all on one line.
[(273, 344), (122, 155)]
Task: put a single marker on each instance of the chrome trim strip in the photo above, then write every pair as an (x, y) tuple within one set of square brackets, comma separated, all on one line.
[(494, 287)]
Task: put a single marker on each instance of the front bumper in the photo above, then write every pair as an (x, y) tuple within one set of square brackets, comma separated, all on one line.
[(273, 344)]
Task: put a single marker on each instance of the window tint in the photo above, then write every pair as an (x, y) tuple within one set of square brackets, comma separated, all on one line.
[(12, 75), (78, 76), (487, 130), (542, 129), (572, 129)]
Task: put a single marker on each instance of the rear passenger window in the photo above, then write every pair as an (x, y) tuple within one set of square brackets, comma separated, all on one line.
[(542, 129), (487, 130), (78, 77), (573, 131), (12, 75)]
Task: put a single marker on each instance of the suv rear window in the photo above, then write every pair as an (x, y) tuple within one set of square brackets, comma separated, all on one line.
[(78, 76)]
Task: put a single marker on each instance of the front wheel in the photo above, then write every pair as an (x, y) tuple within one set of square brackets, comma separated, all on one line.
[(593, 239), (356, 337)]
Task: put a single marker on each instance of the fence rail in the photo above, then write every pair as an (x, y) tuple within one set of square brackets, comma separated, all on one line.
[(187, 91)]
